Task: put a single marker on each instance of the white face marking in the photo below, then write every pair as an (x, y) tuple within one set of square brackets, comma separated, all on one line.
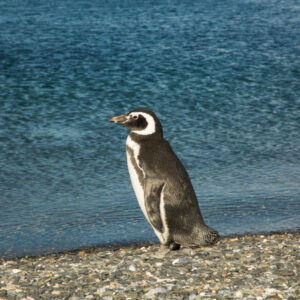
[(150, 129)]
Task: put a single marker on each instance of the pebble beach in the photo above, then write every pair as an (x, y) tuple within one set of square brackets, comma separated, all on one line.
[(243, 267)]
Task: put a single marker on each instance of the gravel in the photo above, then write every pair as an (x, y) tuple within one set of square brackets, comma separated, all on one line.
[(246, 267)]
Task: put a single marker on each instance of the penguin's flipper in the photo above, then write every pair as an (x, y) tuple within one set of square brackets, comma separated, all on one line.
[(153, 189)]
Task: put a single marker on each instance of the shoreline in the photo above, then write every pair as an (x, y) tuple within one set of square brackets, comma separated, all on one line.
[(261, 266), (116, 246)]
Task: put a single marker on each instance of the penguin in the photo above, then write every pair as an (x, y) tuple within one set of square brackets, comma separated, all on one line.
[(162, 185)]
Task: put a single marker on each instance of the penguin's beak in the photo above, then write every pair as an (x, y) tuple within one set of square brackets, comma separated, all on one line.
[(118, 119)]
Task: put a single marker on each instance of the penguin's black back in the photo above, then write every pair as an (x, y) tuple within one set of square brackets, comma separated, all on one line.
[(158, 160)]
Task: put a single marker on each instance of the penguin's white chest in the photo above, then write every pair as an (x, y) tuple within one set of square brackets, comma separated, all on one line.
[(133, 163), (134, 169)]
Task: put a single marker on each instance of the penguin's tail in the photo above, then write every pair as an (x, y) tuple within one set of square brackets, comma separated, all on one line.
[(207, 236)]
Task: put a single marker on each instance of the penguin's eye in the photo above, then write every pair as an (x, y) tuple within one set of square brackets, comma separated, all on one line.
[(135, 117)]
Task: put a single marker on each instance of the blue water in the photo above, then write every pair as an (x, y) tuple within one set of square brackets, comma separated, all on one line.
[(223, 77)]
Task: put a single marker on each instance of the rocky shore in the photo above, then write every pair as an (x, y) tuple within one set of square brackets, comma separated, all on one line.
[(247, 267)]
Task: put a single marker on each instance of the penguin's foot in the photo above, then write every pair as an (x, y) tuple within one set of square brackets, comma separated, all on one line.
[(172, 246)]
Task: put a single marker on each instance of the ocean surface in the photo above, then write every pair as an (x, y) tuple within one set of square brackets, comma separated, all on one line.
[(222, 76)]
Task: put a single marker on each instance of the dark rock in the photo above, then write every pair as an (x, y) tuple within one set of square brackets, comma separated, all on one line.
[(3, 293)]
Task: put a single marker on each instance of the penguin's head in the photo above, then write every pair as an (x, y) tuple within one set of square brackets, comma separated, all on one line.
[(140, 121)]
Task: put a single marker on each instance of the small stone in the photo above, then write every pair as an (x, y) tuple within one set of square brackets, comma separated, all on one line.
[(3, 293), (180, 260), (16, 271), (132, 295), (76, 298), (161, 253), (56, 293), (187, 251), (108, 298), (155, 291), (284, 273), (132, 268), (11, 286), (238, 294)]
